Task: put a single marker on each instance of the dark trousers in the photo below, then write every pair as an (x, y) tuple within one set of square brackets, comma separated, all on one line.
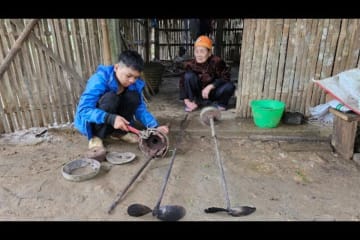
[(221, 94), (124, 105)]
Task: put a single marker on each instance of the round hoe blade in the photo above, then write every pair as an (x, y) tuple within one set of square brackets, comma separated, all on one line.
[(209, 112), (170, 213), (138, 210), (120, 157)]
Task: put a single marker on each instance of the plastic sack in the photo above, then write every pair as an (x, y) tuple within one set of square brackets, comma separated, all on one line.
[(338, 106)]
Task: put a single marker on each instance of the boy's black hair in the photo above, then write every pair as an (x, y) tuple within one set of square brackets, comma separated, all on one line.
[(132, 59)]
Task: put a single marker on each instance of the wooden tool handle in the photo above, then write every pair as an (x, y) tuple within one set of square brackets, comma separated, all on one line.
[(134, 130)]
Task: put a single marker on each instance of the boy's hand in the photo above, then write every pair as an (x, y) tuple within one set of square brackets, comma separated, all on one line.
[(121, 123)]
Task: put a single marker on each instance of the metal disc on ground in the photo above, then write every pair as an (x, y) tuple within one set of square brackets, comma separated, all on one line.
[(120, 158), (209, 112), (98, 153), (81, 169)]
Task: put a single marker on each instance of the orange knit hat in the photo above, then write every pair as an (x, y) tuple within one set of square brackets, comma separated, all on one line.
[(203, 41)]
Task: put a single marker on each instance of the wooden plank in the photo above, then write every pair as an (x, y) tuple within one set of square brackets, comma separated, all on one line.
[(11, 91), (329, 54), (354, 38), (76, 43), (84, 47), (339, 58), (324, 34), (262, 58), (289, 64), (269, 38), (256, 61), (298, 89), (21, 100), (106, 42), (52, 37), (294, 65), (282, 58), (343, 137), (345, 116), (68, 82), (92, 44), (59, 40), (314, 48), (5, 118), (275, 55), (45, 96), (27, 64), (65, 99), (307, 75), (239, 95), (55, 99), (65, 33), (31, 79), (4, 127), (249, 31), (28, 86)]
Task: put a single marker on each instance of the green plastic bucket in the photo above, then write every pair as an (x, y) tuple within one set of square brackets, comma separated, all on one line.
[(267, 113)]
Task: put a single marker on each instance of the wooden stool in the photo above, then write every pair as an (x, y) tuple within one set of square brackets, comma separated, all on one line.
[(344, 132)]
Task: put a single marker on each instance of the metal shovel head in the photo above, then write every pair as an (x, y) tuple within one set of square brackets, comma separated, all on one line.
[(138, 210), (169, 212), (241, 211)]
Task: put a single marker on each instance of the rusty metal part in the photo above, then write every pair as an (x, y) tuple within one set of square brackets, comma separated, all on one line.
[(152, 142), (208, 113), (156, 144)]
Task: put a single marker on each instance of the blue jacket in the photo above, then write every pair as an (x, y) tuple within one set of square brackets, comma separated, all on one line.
[(102, 81)]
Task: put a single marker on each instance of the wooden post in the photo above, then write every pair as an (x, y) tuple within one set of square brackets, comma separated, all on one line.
[(344, 132), (157, 46), (167, 37), (17, 46), (106, 44), (147, 42), (219, 36)]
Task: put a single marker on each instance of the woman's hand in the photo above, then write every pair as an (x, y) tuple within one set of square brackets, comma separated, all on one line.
[(205, 92), (164, 129)]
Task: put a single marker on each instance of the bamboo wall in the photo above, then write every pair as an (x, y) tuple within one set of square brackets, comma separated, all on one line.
[(42, 85), (280, 57)]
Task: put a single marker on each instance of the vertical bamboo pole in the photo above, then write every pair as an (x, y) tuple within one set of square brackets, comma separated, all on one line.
[(105, 41)]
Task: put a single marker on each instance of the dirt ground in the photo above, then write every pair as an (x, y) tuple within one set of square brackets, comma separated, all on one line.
[(284, 180)]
